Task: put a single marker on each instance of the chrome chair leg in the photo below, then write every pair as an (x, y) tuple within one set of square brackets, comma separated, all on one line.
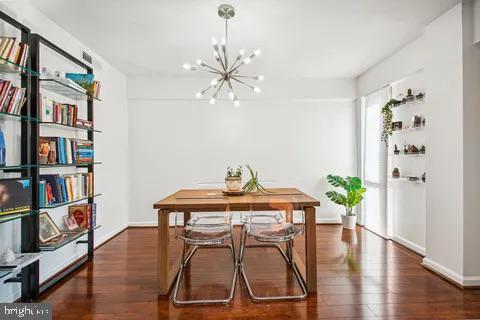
[(288, 258), (186, 256)]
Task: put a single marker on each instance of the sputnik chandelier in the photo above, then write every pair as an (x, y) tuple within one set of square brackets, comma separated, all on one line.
[(227, 73)]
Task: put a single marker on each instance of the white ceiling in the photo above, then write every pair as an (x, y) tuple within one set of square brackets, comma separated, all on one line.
[(301, 38)]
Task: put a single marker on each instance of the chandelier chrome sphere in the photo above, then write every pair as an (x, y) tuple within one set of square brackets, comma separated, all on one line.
[(228, 72)]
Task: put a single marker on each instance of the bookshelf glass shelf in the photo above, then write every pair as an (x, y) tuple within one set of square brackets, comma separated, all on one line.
[(418, 154), (11, 116), (69, 164), (7, 66), (68, 238), (15, 216), (55, 124), (4, 274), (58, 87), (17, 167), (57, 205)]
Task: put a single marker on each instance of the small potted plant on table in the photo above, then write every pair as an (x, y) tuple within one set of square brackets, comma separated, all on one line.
[(233, 180), (353, 196)]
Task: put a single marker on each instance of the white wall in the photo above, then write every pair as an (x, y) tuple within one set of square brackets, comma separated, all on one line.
[(471, 132), (444, 141), (452, 70), (111, 146), (296, 132), (476, 21)]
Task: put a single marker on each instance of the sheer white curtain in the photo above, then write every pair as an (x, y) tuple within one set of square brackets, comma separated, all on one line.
[(374, 163)]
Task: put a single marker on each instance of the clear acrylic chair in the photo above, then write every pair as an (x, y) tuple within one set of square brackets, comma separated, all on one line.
[(205, 231), (271, 229)]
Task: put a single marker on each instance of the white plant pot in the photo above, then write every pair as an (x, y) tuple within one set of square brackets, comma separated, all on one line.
[(349, 222), (233, 183)]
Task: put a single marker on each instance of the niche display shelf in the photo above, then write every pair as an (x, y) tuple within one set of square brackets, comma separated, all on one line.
[(86, 108)]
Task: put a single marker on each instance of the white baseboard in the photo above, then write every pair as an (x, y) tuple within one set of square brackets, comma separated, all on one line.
[(110, 235), (328, 221), (467, 281), (143, 224), (409, 244)]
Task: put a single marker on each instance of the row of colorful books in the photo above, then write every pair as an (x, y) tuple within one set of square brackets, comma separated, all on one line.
[(13, 50), (56, 188), (12, 98), (63, 113), (60, 150)]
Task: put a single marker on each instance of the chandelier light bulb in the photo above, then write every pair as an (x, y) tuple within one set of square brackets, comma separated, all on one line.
[(212, 101), (247, 60), (236, 103), (186, 66), (231, 95), (214, 82), (224, 42), (242, 52), (257, 90), (198, 95), (200, 62), (214, 41), (260, 77), (215, 53), (257, 52)]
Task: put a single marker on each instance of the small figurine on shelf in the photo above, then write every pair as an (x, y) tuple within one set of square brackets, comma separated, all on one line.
[(424, 177), (420, 96), (396, 173), (396, 102), (405, 148), (417, 121), (412, 149), (422, 149), (423, 122), (410, 96), (396, 151)]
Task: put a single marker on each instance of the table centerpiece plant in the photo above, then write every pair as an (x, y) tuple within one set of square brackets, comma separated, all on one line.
[(253, 185), (233, 178), (353, 196)]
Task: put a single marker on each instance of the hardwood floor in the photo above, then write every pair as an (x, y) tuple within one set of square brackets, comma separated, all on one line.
[(360, 275)]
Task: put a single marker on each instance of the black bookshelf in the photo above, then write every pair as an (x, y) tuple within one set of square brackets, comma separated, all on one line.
[(28, 276), (36, 41)]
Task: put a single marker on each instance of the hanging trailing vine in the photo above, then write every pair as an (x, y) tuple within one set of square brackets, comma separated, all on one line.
[(387, 121)]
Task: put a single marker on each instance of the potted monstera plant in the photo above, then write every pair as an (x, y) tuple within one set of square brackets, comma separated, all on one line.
[(352, 197)]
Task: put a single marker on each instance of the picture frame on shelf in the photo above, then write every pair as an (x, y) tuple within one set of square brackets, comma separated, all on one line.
[(47, 229), (70, 223), (397, 125)]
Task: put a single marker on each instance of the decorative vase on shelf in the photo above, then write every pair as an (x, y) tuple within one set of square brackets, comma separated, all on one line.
[(349, 222), (233, 183)]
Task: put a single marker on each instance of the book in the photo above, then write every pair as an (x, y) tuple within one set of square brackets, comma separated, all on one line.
[(65, 188), (16, 195), (80, 214), (14, 51)]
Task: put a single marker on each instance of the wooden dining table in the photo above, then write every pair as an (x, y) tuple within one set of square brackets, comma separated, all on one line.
[(201, 201)]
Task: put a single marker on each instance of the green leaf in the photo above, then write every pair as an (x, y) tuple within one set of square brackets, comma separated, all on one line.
[(336, 181), (337, 198)]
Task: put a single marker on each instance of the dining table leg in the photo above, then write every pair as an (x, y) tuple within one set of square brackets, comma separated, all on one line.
[(310, 249), (166, 271)]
